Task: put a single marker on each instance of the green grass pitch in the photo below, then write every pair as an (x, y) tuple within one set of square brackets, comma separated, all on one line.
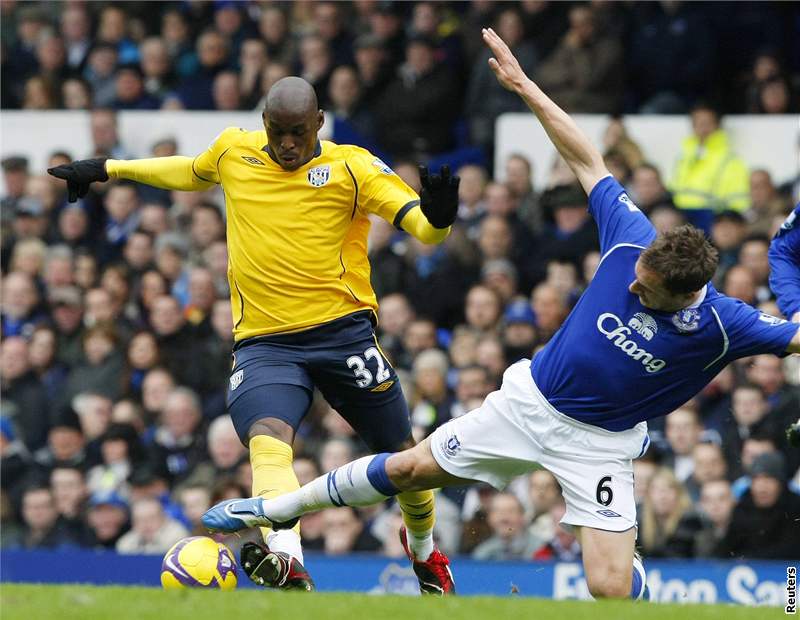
[(79, 602)]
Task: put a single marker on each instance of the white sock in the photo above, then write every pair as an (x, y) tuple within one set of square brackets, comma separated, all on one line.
[(287, 541), (421, 545), (349, 485)]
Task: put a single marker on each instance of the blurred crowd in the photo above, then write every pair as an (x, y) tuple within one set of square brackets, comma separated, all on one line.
[(116, 319), (409, 77)]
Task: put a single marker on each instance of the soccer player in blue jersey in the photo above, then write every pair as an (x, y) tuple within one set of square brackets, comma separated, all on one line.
[(649, 332), (784, 280), (784, 266)]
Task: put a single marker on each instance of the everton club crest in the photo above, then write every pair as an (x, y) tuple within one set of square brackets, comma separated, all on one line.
[(319, 175), (686, 320)]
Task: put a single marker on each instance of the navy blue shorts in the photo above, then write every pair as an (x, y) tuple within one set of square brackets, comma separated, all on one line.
[(274, 377)]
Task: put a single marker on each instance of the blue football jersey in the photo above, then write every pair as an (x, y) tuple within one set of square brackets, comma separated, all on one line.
[(784, 264), (614, 362)]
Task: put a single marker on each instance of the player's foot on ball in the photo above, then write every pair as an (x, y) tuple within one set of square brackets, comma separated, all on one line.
[(237, 514), (274, 569), (434, 573)]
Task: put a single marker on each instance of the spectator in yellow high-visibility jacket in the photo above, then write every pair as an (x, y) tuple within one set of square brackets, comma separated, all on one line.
[(708, 176)]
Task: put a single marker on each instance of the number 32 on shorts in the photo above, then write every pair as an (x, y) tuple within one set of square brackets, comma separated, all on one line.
[(358, 365)]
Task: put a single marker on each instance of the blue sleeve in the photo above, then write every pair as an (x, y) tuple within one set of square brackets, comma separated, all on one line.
[(752, 332), (618, 219), (784, 265)]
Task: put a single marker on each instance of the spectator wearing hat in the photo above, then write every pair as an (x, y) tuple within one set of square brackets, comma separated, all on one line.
[(573, 233), (417, 110), (386, 23), (65, 443), (66, 309), (24, 400), (766, 521), (107, 519), (233, 23), (519, 331)]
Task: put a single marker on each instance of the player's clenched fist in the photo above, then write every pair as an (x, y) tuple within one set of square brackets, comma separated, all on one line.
[(438, 197), (80, 174)]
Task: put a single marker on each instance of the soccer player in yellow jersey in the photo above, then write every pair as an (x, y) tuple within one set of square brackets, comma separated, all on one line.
[(303, 307)]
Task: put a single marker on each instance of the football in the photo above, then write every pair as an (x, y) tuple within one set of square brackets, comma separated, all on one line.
[(198, 562)]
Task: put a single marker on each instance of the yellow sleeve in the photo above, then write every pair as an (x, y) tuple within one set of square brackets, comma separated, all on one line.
[(181, 173), (415, 223), (163, 172), (382, 192)]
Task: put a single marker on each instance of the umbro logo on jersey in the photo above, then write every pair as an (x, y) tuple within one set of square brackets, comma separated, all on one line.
[(319, 175), (253, 160), (612, 327), (643, 324), (623, 198), (770, 320)]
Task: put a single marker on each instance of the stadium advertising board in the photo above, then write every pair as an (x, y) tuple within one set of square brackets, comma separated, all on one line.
[(746, 583)]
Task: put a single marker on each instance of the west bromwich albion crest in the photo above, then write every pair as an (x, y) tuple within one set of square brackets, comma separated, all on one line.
[(686, 320), (319, 175)]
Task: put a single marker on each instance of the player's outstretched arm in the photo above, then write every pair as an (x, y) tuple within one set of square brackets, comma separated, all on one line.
[(794, 345), (576, 149), (162, 172)]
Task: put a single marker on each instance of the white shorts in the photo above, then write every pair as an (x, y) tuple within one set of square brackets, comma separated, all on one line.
[(515, 428)]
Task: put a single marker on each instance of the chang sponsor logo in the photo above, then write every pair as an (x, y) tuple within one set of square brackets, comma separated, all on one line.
[(612, 327)]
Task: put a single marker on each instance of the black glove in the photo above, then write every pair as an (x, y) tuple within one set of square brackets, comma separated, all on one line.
[(80, 174), (439, 196)]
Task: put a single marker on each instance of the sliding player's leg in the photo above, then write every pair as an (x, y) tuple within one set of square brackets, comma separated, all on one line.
[(595, 471), (607, 561), (485, 444)]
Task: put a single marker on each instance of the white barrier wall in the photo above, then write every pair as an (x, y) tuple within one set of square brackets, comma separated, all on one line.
[(771, 142), (763, 141), (37, 134)]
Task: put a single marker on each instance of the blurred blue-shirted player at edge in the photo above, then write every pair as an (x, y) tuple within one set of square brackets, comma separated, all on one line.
[(649, 332)]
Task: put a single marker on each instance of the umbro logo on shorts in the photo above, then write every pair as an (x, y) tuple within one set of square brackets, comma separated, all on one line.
[(608, 513), (383, 386), (253, 160), (236, 379)]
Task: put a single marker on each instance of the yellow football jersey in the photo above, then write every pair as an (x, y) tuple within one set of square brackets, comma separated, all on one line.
[(297, 240)]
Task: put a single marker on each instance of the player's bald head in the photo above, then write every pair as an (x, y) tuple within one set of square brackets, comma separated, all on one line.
[(291, 95), (292, 121)]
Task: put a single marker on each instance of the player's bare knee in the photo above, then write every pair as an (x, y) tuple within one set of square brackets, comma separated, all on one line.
[(609, 583), (404, 471)]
